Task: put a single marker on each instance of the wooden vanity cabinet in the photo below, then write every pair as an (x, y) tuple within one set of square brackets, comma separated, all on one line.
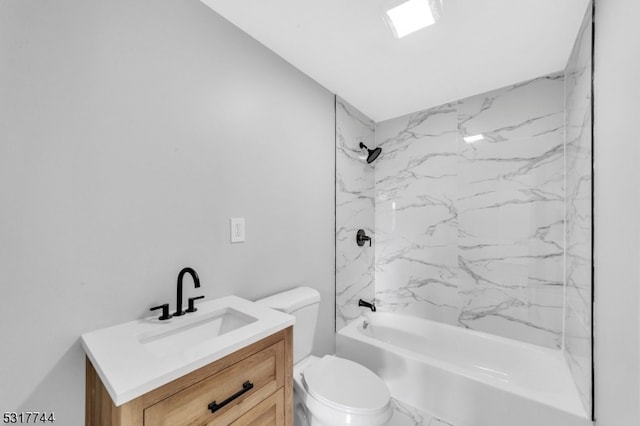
[(261, 374)]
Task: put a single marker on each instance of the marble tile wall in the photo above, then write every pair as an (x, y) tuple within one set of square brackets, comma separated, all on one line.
[(472, 234), (579, 211), (354, 210), (510, 203), (416, 216)]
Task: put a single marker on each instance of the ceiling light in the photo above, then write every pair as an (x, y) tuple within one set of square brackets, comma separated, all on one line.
[(412, 15), (472, 139)]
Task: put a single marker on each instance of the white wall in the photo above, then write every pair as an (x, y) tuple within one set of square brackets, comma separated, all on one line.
[(130, 132), (617, 176)]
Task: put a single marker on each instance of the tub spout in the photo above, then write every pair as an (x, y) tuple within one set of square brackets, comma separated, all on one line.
[(371, 305)]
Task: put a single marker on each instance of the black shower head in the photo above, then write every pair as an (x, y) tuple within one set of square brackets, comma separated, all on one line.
[(373, 153)]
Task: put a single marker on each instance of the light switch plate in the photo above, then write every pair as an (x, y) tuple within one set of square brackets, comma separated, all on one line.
[(237, 230)]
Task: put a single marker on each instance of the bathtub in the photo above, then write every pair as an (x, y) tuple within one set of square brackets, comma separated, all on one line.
[(464, 377)]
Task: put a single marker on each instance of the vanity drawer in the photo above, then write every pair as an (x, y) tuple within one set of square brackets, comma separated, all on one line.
[(264, 370), (269, 412)]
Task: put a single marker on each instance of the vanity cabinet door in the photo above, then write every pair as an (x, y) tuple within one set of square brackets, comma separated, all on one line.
[(193, 406), (269, 412)]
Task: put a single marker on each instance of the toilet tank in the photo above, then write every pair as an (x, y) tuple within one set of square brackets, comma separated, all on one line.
[(302, 303)]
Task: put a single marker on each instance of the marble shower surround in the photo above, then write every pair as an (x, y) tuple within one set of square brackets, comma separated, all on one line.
[(472, 234), (578, 97), (354, 210), (494, 236)]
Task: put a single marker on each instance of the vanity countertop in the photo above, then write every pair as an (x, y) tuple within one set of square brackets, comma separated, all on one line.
[(138, 356)]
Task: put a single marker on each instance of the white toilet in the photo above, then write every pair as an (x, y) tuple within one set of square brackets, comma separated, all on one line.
[(328, 391)]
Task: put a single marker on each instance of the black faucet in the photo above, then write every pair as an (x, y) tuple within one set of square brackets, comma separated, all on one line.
[(196, 282), (371, 305)]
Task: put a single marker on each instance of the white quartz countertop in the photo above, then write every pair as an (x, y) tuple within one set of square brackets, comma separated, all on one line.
[(138, 356)]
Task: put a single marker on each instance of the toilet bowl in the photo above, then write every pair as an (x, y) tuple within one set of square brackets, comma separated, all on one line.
[(332, 391), (328, 391)]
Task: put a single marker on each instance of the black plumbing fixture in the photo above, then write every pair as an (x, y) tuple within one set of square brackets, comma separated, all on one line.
[(371, 305), (373, 153), (196, 283), (192, 303), (361, 237), (165, 311)]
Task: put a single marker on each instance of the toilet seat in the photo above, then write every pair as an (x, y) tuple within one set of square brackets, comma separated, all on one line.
[(346, 386)]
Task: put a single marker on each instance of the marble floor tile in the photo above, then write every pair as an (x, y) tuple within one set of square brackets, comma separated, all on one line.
[(406, 415)]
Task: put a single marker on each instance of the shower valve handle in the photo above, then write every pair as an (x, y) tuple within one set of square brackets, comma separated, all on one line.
[(361, 237)]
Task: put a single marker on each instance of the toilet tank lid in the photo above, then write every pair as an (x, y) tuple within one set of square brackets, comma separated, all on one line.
[(291, 300)]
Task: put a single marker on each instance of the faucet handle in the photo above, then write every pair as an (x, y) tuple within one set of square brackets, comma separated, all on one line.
[(192, 303), (165, 311), (361, 237)]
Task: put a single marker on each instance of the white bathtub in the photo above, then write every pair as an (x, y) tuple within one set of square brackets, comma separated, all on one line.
[(462, 376)]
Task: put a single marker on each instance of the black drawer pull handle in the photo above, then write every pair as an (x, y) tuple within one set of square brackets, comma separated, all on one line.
[(246, 387)]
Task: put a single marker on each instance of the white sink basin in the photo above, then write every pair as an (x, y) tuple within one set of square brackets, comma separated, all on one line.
[(138, 356), (193, 331)]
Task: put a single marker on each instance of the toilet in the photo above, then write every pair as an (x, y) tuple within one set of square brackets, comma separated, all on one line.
[(328, 391)]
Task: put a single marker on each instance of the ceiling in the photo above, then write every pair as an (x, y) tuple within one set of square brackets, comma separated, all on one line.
[(477, 46)]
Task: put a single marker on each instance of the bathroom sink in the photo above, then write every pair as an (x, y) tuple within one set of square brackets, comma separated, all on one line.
[(193, 331), (138, 356)]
